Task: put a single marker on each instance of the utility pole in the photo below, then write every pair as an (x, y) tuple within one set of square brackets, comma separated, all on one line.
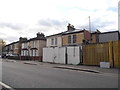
[(89, 25)]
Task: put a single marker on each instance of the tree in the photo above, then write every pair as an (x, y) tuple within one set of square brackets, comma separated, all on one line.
[(2, 44)]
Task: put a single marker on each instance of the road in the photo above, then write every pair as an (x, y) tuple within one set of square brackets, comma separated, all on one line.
[(19, 75)]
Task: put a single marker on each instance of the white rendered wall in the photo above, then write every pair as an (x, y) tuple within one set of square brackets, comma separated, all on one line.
[(59, 41)]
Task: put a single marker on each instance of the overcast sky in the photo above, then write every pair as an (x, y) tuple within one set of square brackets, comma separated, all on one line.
[(24, 18)]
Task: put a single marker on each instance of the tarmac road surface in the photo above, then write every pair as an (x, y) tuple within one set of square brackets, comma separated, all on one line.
[(19, 75)]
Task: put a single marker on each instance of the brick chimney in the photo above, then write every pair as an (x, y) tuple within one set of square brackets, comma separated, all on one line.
[(22, 39), (70, 27), (39, 35)]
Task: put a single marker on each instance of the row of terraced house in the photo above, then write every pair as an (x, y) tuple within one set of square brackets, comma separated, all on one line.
[(32, 49), (76, 46), (26, 49)]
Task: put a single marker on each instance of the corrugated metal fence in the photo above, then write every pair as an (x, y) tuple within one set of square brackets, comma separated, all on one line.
[(93, 54)]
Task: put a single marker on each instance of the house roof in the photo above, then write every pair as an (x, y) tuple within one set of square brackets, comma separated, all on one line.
[(109, 32), (37, 38), (68, 32), (12, 43), (54, 35), (25, 41), (74, 31)]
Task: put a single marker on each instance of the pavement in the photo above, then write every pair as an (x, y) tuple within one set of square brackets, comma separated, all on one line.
[(94, 69)]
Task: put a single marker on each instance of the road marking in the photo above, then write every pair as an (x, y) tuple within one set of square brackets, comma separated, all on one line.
[(6, 86)]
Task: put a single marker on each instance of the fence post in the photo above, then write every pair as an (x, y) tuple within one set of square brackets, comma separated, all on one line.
[(80, 54), (66, 56), (111, 59), (118, 54)]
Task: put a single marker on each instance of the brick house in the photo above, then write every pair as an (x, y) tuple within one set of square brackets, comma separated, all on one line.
[(32, 49), (70, 37), (65, 47), (75, 36), (13, 50), (95, 36)]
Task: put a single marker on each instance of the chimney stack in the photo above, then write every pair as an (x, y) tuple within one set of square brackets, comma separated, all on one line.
[(39, 35), (22, 39), (70, 27)]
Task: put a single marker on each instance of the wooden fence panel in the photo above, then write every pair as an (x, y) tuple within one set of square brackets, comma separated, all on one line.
[(93, 54), (116, 52)]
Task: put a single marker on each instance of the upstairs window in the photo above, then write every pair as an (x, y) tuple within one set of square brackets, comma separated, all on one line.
[(55, 41), (74, 38), (25, 45), (34, 44), (69, 39), (52, 41), (22, 45)]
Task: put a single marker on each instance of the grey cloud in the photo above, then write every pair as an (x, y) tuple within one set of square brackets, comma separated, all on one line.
[(97, 24), (14, 26), (51, 22), (102, 24), (11, 39), (82, 27), (45, 23), (38, 29)]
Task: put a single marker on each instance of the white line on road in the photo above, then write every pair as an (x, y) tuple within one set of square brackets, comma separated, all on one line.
[(6, 86)]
